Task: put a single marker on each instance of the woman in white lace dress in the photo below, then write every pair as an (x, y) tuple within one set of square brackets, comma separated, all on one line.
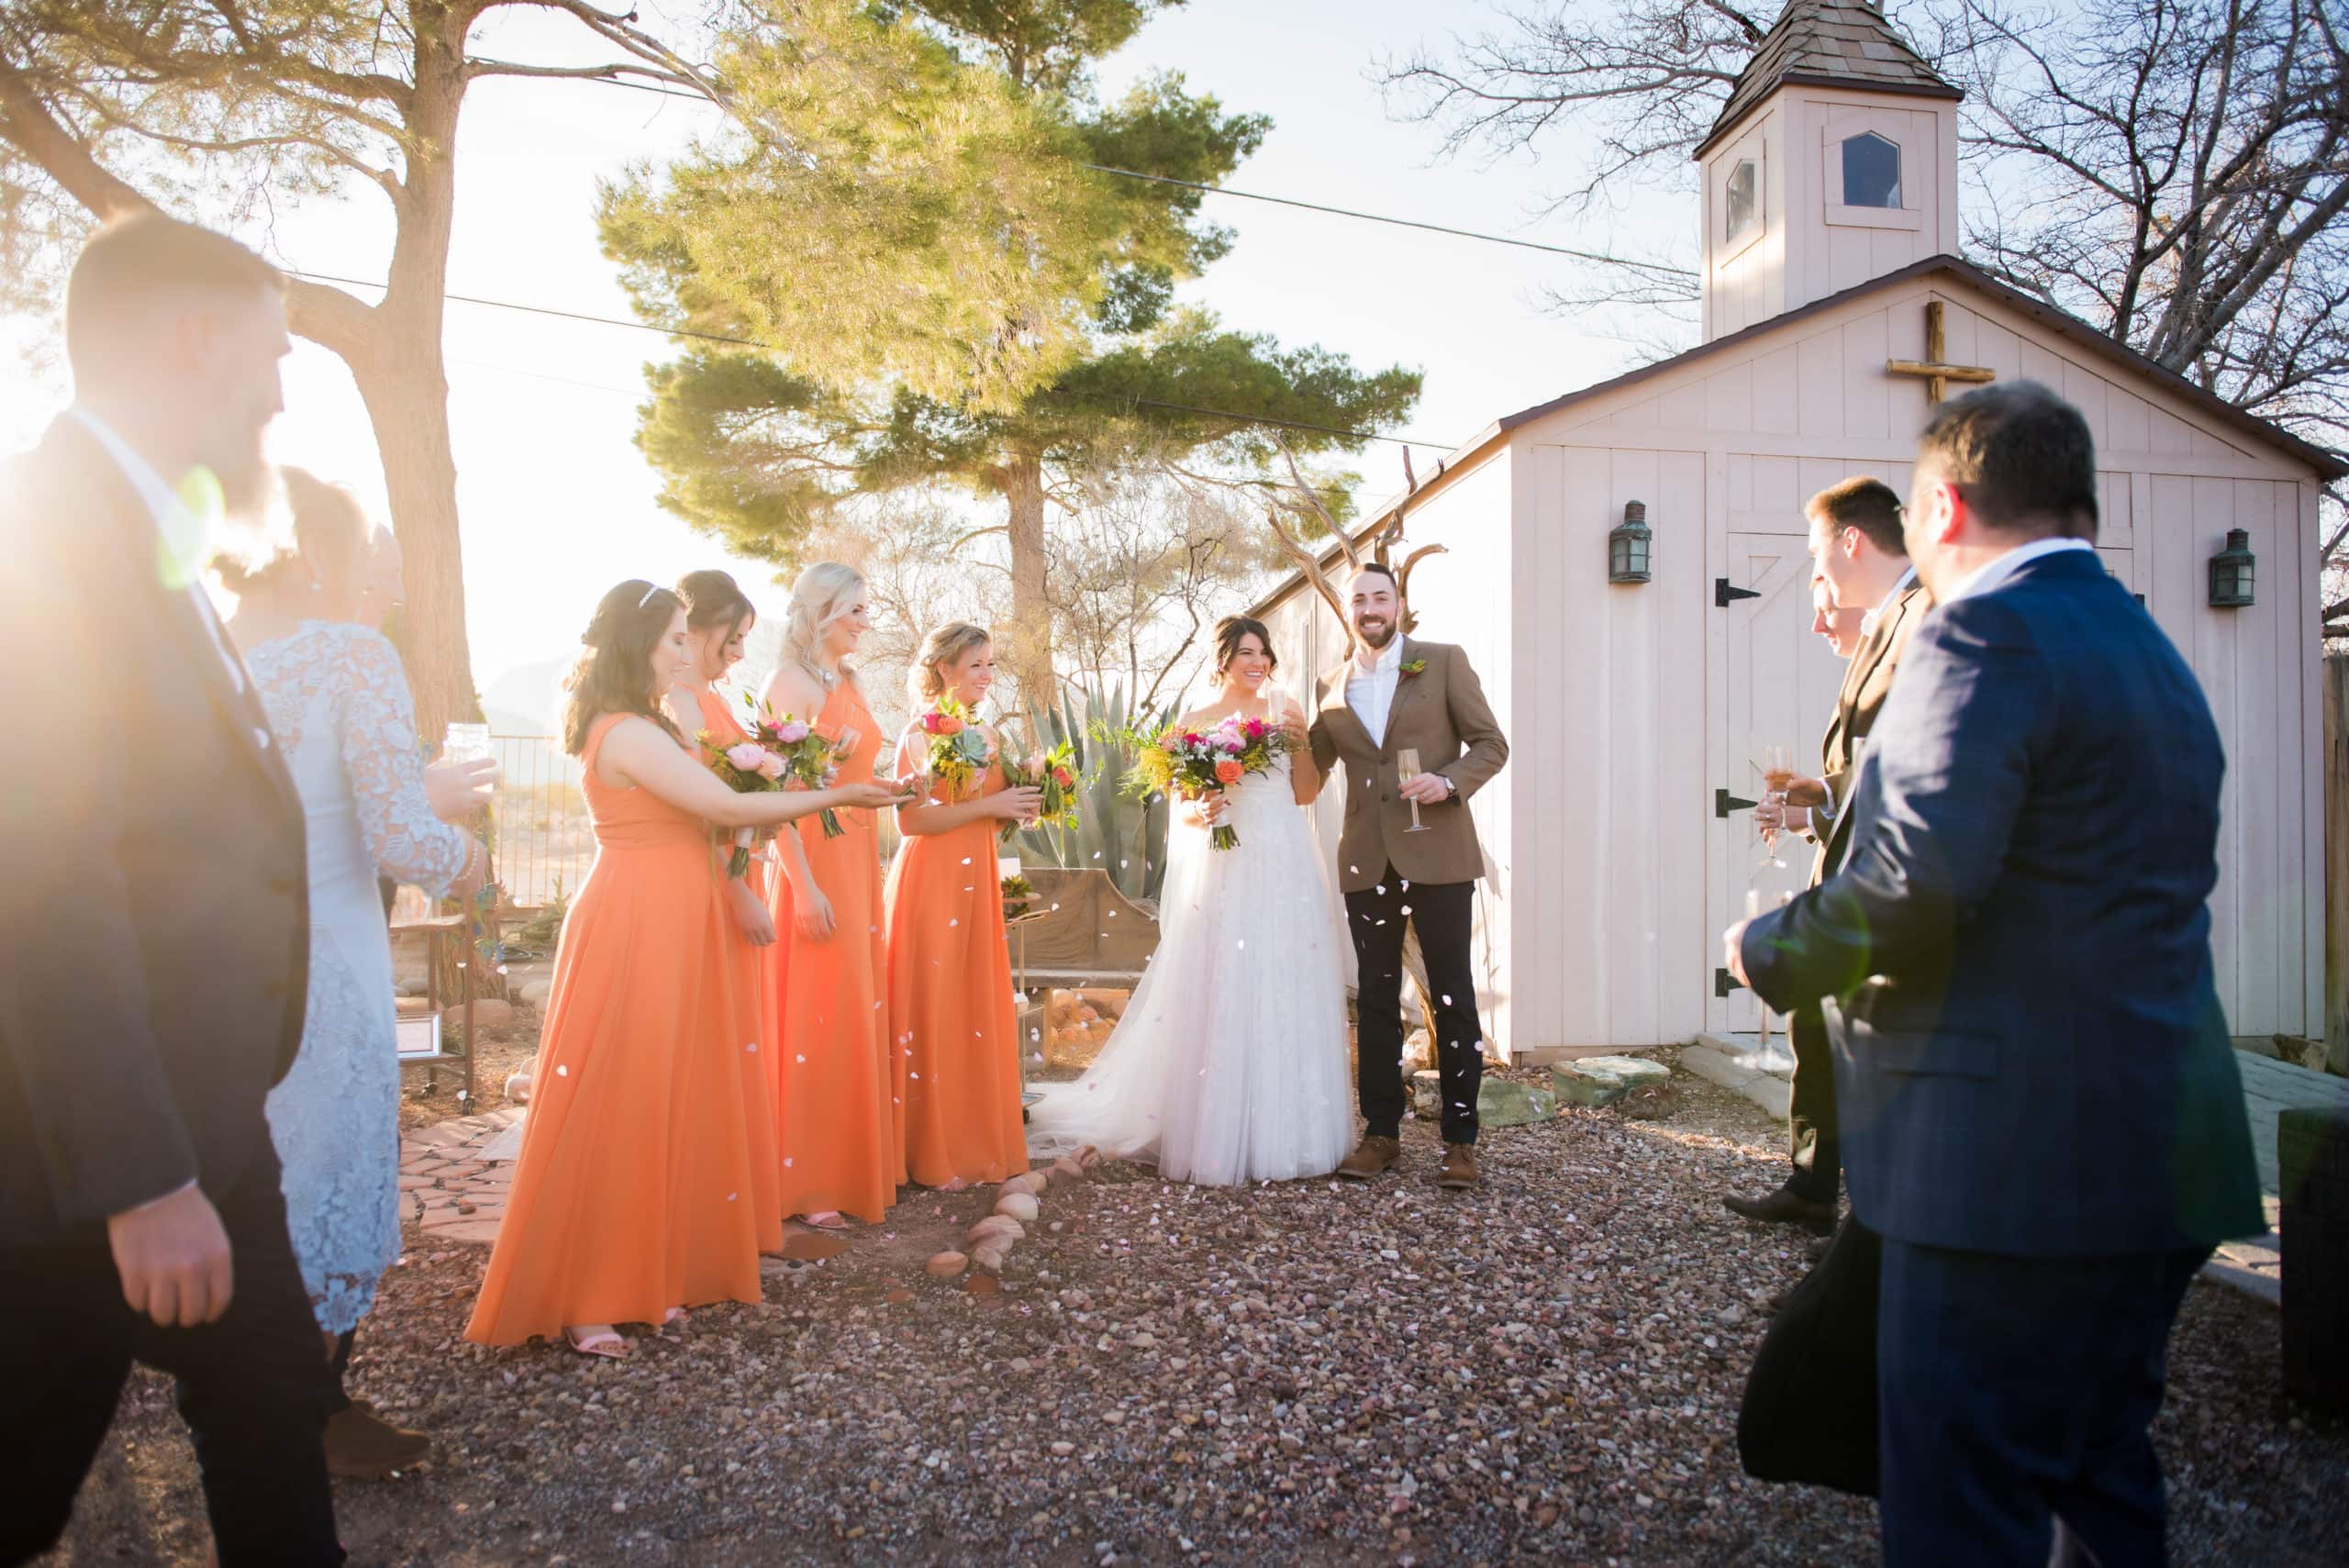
[(1229, 1063), (339, 705)]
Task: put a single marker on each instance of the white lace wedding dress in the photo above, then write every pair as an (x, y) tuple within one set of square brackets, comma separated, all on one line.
[(1229, 1063)]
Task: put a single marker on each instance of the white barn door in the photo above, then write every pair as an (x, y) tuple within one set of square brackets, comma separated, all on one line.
[(1782, 685)]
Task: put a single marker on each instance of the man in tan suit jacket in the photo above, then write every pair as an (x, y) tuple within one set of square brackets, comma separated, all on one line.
[(1857, 547), (1398, 693)]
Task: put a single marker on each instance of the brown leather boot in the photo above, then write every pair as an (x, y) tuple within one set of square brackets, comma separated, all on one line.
[(1459, 1166), (361, 1444), (1371, 1156)]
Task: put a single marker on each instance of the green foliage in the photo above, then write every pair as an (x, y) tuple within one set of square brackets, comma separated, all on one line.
[(1115, 833), (949, 293)]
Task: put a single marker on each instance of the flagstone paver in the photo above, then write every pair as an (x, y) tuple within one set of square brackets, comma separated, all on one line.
[(446, 1184)]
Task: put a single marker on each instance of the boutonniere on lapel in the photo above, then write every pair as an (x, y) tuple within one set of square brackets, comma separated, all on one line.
[(1411, 667)]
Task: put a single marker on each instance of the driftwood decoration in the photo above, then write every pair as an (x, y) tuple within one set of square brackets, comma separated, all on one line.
[(1381, 541)]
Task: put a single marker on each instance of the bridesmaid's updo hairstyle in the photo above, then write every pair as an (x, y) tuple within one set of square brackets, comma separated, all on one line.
[(713, 599), (824, 593), (1231, 629), (614, 675), (945, 645)]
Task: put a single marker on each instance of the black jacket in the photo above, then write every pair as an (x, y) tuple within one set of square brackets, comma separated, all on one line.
[(155, 922)]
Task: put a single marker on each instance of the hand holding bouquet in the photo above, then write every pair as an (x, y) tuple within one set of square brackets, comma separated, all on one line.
[(1194, 764), (957, 752), (1052, 775), (808, 760), (746, 767)]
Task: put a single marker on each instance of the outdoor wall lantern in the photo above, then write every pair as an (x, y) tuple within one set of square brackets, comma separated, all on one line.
[(2231, 572), (1627, 541)]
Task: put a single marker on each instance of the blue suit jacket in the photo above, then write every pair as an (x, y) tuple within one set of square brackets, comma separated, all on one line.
[(2029, 1056)]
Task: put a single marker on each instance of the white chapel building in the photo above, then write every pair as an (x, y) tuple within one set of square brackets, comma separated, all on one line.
[(1637, 711)]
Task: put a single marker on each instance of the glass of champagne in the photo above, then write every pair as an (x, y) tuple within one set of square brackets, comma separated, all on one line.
[(1407, 768), (465, 743), (1777, 773)]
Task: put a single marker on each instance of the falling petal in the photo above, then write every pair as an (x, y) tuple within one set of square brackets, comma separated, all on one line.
[(563, 1069)]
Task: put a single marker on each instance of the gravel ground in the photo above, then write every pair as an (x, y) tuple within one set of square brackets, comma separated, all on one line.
[(1304, 1374)]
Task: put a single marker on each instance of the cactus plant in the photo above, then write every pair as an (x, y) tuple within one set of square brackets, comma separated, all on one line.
[(1125, 837)]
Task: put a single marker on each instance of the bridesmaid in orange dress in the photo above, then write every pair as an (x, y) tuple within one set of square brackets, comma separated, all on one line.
[(634, 1198), (836, 1126), (953, 1033), (719, 619)]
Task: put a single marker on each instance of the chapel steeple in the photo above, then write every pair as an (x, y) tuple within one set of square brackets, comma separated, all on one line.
[(1833, 161)]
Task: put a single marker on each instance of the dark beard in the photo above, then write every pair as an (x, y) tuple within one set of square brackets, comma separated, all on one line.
[(1377, 644)]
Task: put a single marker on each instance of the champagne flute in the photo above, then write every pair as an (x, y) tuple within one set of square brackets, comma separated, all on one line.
[(1777, 772), (1407, 768)]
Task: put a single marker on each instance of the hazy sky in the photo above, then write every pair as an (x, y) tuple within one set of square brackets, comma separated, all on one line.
[(557, 504)]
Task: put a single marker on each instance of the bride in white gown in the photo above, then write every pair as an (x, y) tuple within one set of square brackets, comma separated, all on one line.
[(1229, 1063)]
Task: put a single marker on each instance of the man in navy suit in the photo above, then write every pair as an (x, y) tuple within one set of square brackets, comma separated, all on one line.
[(2041, 1110), (154, 926)]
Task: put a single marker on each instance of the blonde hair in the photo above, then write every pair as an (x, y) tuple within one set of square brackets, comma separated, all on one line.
[(944, 645), (824, 593)]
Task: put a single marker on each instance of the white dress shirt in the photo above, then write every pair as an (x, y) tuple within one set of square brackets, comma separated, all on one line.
[(1868, 621), (181, 531), (1371, 695), (1992, 576)]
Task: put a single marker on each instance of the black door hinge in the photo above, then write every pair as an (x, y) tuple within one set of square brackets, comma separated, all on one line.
[(1724, 596), (1724, 982), (1724, 803)]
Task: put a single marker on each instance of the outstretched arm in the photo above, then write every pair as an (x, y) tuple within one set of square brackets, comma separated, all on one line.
[(1951, 756), (644, 754)]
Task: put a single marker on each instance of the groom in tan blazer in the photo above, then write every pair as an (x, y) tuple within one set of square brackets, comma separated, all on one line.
[(1396, 694)]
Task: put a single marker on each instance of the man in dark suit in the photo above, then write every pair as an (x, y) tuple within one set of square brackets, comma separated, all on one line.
[(2042, 1114), (1855, 545), (154, 929)]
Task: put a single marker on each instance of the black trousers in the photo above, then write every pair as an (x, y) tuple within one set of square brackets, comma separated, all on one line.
[(252, 1388), (1444, 914), (1817, 1156)]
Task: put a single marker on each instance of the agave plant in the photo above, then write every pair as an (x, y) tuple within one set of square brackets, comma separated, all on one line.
[(1123, 836)]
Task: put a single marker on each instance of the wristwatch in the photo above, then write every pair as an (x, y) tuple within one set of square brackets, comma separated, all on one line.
[(1451, 790)]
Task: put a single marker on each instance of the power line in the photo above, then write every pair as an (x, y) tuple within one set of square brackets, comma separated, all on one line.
[(755, 343), (1263, 196)]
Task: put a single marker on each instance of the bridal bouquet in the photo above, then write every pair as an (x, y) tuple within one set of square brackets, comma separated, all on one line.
[(1192, 763), (1054, 774), (957, 753)]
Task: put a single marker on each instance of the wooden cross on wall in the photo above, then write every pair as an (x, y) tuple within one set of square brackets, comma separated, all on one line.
[(1937, 375)]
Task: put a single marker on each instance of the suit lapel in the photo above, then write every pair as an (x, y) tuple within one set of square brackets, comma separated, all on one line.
[(137, 544), (1406, 693)]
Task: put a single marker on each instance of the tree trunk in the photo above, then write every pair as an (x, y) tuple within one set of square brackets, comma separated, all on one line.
[(402, 377), (1022, 479)]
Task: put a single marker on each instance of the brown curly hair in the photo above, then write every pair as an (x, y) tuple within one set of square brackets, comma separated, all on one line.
[(614, 675)]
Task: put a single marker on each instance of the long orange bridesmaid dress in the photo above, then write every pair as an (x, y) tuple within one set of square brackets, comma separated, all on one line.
[(834, 1125), (953, 1032), (752, 1003), (634, 1192)]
